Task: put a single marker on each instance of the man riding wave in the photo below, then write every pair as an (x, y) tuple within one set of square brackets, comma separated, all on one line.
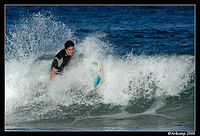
[(62, 59)]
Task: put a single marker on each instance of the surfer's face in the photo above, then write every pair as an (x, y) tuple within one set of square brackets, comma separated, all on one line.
[(70, 51)]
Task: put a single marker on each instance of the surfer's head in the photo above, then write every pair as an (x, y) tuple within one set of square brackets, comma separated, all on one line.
[(69, 48), (68, 44)]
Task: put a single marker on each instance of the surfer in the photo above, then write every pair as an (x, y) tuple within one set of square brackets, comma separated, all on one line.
[(62, 58)]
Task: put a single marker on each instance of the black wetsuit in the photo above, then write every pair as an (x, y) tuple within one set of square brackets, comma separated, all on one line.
[(60, 61)]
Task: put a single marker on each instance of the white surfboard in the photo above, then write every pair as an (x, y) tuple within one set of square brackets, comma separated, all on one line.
[(95, 72)]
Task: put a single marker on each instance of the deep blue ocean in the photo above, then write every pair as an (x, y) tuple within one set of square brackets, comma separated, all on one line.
[(147, 54)]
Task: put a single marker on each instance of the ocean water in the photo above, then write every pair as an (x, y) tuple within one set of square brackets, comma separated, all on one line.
[(147, 54)]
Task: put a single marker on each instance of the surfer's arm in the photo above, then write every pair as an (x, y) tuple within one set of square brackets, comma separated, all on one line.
[(53, 71)]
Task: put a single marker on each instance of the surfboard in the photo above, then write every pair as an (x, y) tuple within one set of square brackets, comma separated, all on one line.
[(95, 71)]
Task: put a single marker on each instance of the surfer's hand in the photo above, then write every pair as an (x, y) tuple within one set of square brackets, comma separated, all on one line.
[(53, 71)]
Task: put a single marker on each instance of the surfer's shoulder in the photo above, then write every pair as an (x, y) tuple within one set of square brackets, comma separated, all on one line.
[(61, 54)]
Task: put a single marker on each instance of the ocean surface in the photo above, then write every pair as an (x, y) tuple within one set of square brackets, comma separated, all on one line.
[(148, 59)]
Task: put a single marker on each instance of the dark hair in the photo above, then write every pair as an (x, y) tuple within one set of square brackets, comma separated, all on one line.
[(68, 44)]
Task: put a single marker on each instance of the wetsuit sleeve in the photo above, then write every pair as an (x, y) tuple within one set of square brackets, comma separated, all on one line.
[(55, 64)]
